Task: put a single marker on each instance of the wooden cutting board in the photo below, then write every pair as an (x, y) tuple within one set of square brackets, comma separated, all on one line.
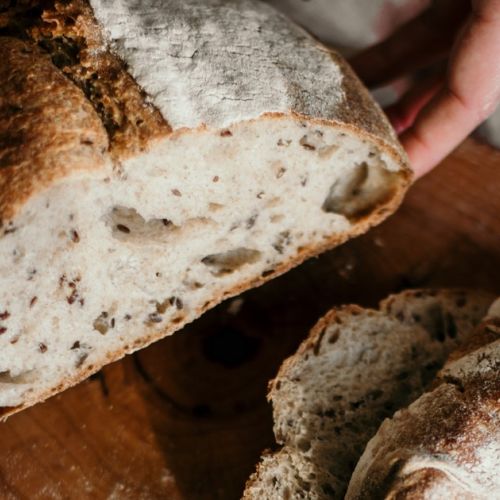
[(187, 417)]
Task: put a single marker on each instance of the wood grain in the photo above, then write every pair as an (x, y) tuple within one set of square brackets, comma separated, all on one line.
[(187, 417)]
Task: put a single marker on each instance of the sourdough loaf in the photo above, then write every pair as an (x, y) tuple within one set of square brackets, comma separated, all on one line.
[(356, 368), (447, 443), (157, 157)]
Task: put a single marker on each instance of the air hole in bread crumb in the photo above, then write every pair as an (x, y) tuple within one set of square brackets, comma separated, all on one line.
[(304, 445), (128, 225), (282, 241), (228, 262), (306, 143), (326, 152), (161, 307), (123, 228), (101, 323), (251, 221), (214, 207), (22, 378), (334, 337), (140, 231), (360, 191), (154, 318)]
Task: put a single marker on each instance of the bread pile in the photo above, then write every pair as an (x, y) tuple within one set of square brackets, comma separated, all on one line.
[(359, 366), (157, 157)]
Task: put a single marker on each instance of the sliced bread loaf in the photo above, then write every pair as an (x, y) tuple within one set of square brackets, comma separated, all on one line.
[(355, 369), (159, 156), (447, 443)]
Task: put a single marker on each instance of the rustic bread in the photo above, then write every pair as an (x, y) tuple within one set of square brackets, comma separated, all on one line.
[(157, 157), (355, 369), (447, 443)]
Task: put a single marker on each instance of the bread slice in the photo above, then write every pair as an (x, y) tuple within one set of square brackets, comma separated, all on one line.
[(447, 443), (356, 368), (184, 153)]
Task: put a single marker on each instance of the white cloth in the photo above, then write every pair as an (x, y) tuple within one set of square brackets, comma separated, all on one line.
[(351, 25)]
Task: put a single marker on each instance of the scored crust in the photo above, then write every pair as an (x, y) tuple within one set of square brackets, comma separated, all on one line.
[(69, 34), (60, 28), (47, 127)]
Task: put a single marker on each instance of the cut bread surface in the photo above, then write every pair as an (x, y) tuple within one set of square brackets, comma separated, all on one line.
[(101, 260), (356, 368), (119, 223)]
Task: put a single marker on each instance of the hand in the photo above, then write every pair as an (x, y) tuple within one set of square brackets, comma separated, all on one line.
[(437, 114)]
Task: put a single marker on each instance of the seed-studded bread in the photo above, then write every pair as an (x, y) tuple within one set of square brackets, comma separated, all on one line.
[(157, 157), (356, 368), (447, 443)]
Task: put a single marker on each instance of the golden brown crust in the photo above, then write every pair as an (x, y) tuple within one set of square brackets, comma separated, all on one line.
[(47, 127), (465, 417), (69, 33), (448, 426), (359, 108)]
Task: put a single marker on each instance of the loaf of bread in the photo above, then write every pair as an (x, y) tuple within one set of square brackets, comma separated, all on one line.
[(447, 443), (159, 156), (355, 369)]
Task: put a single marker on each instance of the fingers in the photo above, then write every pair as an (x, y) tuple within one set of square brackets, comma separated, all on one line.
[(471, 93), (487, 10), (403, 114), (425, 39)]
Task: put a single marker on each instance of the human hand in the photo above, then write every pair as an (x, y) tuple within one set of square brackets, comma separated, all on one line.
[(438, 113)]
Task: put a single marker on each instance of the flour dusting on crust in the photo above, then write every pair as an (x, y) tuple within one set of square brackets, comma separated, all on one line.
[(201, 62)]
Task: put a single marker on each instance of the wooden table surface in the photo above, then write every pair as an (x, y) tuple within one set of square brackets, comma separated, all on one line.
[(187, 417)]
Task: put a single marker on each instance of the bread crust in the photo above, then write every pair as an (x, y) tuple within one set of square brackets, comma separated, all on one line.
[(69, 34), (315, 337), (447, 443), (66, 130), (121, 96), (48, 129)]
